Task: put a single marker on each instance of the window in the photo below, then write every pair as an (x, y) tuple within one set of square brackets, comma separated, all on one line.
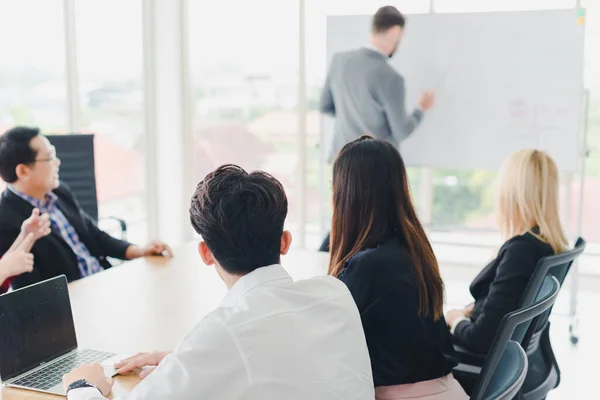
[(590, 227), (109, 53), (32, 66), (244, 63)]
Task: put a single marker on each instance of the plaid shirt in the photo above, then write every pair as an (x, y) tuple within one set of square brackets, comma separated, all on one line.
[(88, 264)]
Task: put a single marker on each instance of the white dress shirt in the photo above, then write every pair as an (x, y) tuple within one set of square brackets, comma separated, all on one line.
[(271, 338)]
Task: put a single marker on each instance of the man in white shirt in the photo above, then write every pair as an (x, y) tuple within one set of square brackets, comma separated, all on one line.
[(271, 337)]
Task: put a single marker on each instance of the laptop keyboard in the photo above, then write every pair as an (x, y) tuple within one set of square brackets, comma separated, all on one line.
[(51, 375)]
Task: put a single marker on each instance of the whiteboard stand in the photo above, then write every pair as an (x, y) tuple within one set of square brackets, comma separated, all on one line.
[(573, 327)]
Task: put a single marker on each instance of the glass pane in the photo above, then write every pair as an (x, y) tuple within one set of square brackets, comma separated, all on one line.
[(464, 199), (32, 65), (245, 74), (110, 71), (590, 214)]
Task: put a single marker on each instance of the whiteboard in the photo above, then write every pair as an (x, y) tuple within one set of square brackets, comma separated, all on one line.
[(503, 82)]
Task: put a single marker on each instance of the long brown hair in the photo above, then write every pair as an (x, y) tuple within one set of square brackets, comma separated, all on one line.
[(371, 200)]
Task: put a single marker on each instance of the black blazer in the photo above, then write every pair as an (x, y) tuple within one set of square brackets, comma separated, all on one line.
[(498, 289), (52, 254), (404, 347)]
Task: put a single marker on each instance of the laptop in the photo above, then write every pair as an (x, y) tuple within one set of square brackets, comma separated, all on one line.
[(38, 344)]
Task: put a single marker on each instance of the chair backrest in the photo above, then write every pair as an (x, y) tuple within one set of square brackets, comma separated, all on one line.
[(558, 266), (77, 169), (510, 373), (523, 316)]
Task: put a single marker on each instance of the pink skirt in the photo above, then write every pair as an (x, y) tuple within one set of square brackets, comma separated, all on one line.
[(445, 388)]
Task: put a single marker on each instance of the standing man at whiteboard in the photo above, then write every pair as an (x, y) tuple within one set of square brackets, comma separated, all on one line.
[(365, 94)]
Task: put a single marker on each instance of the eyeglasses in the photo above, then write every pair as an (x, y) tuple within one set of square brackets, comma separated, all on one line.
[(49, 159)]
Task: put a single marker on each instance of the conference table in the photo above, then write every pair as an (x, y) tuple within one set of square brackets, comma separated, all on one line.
[(151, 304)]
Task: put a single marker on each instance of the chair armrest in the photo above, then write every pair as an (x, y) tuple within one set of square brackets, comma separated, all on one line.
[(467, 376), (468, 357), (122, 225), (466, 371), (451, 358)]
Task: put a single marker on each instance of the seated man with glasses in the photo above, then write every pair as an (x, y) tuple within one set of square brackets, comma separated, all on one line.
[(75, 247)]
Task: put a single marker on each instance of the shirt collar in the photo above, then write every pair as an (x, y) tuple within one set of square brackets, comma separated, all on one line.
[(273, 274), (44, 205)]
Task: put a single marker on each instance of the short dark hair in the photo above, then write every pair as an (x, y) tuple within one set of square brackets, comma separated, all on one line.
[(15, 149), (387, 17), (240, 216)]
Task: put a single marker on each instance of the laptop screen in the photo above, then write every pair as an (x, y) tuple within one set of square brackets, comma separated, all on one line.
[(36, 326)]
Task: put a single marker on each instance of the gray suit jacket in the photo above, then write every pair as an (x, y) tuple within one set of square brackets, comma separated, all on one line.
[(366, 95)]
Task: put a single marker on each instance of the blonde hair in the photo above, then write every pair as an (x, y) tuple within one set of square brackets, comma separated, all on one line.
[(528, 197)]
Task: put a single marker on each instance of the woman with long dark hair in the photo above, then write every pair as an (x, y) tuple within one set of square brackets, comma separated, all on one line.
[(380, 250)]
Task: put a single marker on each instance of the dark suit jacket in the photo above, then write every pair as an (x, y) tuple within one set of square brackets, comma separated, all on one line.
[(404, 347), (498, 289), (52, 254)]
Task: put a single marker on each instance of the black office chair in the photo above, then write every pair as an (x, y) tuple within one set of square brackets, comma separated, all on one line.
[(509, 375), (558, 266), (77, 170), (538, 382), (504, 371)]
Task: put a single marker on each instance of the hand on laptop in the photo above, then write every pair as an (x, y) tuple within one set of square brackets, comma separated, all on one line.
[(141, 360), (94, 374)]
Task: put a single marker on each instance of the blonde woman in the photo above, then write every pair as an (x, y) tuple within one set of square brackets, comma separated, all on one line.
[(527, 212)]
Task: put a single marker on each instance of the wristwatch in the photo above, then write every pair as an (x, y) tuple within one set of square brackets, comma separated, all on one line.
[(82, 383)]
